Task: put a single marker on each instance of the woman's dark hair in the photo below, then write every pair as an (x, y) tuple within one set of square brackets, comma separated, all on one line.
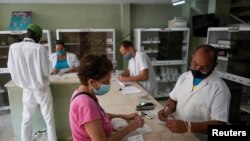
[(59, 42), (127, 44), (94, 66)]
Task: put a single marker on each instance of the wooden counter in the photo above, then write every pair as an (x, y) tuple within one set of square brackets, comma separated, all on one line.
[(114, 102)]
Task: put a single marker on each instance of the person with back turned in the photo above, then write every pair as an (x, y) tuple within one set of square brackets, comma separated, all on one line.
[(28, 65)]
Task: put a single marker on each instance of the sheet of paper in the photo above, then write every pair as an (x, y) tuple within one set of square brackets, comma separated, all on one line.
[(130, 90), (145, 129), (135, 138), (125, 83)]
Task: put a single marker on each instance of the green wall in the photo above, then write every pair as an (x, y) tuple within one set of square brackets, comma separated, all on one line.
[(153, 16), (54, 16)]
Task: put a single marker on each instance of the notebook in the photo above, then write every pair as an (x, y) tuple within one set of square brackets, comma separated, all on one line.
[(130, 90)]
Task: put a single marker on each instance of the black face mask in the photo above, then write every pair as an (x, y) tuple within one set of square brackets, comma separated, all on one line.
[(198, 74)]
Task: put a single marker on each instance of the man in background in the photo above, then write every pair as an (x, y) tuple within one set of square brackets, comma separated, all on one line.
[(139, 68)]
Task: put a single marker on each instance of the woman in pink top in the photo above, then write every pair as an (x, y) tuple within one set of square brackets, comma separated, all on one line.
[(88, 120)]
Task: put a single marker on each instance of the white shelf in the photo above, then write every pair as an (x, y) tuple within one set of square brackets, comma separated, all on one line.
[(109, 43), (1, 91), (245, 108), (72, 44), (5, 46), (220, 46), (46, 45), (166, 81), (166, 63), (152, 51), (222, 58), (109, 52), (4, 109), (4, 70), (151, 42), (3, 57), (235, 78)]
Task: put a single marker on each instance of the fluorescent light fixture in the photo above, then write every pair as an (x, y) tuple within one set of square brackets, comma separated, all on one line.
[(178, 2)]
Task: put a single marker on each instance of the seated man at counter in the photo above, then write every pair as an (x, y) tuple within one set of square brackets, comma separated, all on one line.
[(63, 61), (139, 68), (200, 97), (88, 120)]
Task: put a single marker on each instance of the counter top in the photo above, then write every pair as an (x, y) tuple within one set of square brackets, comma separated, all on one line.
[(114, 102), (67, 78)]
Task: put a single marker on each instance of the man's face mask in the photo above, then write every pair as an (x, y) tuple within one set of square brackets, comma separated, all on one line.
[(127, 56), (199, 74)]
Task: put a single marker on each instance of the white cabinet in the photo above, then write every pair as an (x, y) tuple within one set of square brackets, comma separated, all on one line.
[(168, 50), (9, 37), (83, 41), (233, 47)]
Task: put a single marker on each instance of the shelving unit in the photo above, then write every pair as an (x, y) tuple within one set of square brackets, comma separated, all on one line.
[(6, 39), (88, 40), (168, 50), (233, 47)]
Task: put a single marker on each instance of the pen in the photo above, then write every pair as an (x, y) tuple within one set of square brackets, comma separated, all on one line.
[(145, 115)]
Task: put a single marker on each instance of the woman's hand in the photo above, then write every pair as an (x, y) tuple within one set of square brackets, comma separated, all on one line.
[(137, 122), (162, 115), (54, 71), (130, 116), (73, 69)]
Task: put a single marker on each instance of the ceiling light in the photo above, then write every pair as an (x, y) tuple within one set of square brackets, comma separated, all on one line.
[(177, 2)]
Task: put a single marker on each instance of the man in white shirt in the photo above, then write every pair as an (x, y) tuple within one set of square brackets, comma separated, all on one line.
[(139, 68), (28, 64), (199, 98)]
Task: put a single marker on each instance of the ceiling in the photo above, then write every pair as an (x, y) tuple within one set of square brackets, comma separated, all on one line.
[(90, 1)]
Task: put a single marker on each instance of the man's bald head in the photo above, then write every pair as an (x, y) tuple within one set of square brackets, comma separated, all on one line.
[(206, 52)]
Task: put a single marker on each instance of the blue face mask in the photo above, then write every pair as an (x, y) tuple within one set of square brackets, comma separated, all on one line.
[(127, 56), (103, 89), (60, 52)]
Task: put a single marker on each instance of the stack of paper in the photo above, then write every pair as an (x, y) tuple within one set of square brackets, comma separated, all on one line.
[(130, 90), (125, 83)]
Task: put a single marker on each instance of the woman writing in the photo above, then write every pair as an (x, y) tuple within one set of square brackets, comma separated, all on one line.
[(88, 120)]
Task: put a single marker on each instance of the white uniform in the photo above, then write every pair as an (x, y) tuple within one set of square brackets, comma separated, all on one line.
[(72, 60), (139, 63), (210, 100), (28, 64)]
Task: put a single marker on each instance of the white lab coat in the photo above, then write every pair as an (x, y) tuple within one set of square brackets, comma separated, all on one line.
[(139, 63), (28, 65), (72, 61), (210, 100)]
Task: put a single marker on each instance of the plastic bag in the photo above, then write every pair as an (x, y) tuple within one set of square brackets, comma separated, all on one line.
[(41, 136)]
